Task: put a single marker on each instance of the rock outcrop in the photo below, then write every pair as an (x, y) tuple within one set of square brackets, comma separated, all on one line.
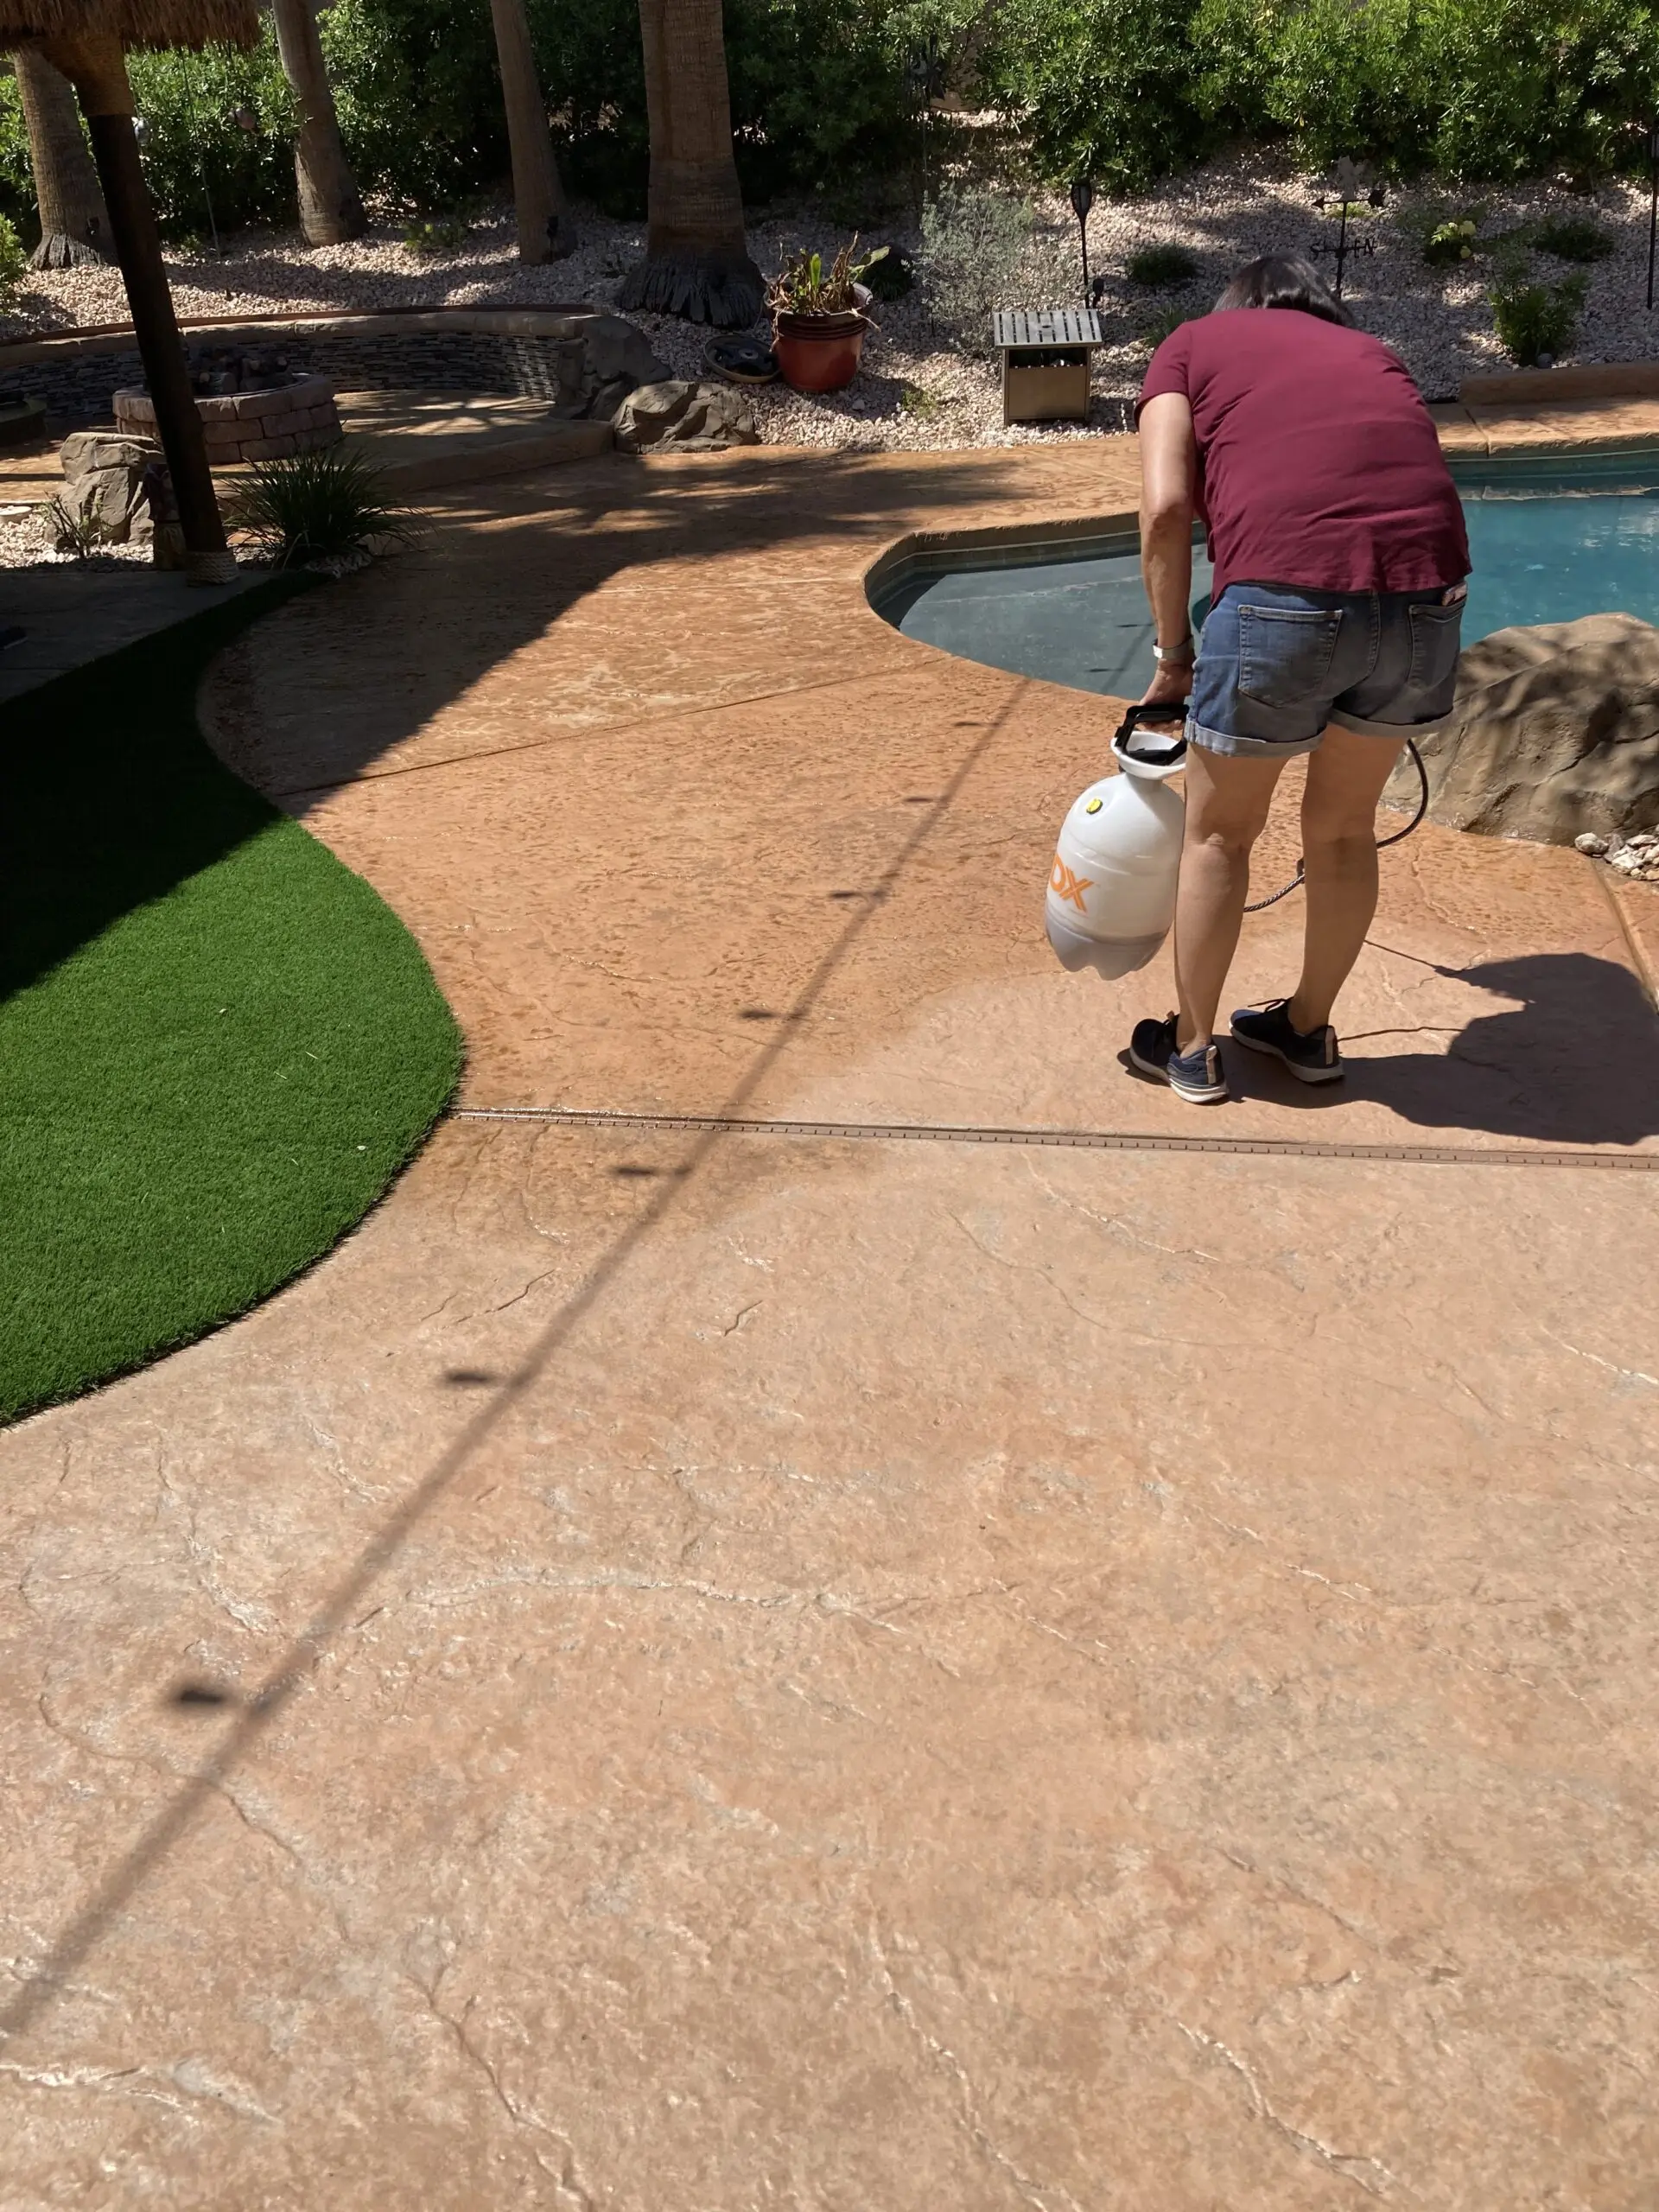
[(1554, 735), (680, 417), (102, 493)]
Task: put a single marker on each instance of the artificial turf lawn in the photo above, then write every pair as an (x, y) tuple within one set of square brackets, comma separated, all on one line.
[(217, 1045)]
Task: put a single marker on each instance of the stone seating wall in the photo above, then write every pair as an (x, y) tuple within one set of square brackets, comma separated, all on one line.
[(532, 353)]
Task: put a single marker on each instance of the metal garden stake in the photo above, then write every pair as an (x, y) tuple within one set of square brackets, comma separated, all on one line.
[(1350, 180)]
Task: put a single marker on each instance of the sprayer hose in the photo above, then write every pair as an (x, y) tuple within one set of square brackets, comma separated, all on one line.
[(1382, 844)]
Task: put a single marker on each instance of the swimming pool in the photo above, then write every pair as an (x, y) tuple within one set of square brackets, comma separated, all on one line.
[(1549, 542)]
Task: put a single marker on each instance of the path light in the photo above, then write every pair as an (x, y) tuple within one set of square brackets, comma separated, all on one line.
[(1083, 199), (925, 81), (245, 119)]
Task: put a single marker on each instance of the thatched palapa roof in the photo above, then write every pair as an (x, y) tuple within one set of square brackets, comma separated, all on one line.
[(135, 23)]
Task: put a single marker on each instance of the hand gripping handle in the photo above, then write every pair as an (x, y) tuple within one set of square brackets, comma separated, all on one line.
[(1164, 754)]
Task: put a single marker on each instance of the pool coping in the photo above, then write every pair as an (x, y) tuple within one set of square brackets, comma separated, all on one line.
[(942, 551)]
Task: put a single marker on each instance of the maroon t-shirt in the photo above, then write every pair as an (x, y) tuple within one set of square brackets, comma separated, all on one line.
[(1317, 461)]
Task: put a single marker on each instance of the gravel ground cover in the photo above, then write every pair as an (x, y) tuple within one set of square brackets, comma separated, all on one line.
[(920, 388)]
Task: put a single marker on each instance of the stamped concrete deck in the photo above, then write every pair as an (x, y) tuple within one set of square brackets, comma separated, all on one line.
[(691, 1667)]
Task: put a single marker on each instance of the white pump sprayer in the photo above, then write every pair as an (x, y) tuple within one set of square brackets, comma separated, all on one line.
[(1111, 891)]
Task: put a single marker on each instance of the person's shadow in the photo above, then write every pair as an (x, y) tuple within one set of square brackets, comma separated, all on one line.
[(1577, 1063)]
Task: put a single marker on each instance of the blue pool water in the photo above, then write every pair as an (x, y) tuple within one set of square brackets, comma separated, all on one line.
[(1547, 547)]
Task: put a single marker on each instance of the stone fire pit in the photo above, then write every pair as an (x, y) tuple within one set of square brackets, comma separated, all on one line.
[(251, 409)]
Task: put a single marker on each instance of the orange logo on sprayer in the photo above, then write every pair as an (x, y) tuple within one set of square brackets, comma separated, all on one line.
[(1069, 887)]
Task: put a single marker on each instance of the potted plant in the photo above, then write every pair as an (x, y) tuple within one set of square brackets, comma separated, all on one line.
[(819, 317)]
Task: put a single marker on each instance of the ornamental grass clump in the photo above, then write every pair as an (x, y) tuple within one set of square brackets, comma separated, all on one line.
[(1157, 265), (1575, 238), (328, 506)]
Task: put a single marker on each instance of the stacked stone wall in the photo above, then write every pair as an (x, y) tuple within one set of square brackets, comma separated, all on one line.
[(77, 380)]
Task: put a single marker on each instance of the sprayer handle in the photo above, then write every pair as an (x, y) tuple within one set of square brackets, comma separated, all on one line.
[(1147, 712)]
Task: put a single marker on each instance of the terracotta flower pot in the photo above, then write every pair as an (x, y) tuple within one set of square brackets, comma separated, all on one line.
[(819, 353)]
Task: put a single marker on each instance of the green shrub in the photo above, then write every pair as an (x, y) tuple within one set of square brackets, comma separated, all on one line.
[(1458, 88), (418, 98), (973, 245), (1450, 242), (1157, 265), (1535, 320), (16, 179), (14, 262), (204, 171), (1575, 238), (445, 234), (317, 506)]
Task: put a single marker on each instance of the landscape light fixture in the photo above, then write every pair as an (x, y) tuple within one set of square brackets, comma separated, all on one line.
[(925, 81), (1083, 199), (245, 119)]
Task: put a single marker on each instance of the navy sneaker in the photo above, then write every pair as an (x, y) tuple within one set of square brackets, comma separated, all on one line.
[(1312, 1059), (1195, 1075)]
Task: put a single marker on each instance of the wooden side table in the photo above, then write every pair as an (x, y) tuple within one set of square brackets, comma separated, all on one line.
[(1046, 356)]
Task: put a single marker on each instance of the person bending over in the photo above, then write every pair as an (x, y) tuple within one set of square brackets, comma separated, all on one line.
[(1340, 553)]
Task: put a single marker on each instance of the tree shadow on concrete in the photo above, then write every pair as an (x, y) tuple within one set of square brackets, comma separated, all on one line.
[(1576, 1063), (109, 796), (401, 642)]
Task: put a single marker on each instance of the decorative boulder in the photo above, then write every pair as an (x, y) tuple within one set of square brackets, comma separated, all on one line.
[(1555, 734), (104, 482), (614, 349), (676, 417)]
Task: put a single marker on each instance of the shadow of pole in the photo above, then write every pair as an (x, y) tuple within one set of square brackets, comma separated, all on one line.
[(343, 1603)]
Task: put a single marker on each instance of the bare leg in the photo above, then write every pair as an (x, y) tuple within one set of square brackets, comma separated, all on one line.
[(1227, 801), (1344, 781)]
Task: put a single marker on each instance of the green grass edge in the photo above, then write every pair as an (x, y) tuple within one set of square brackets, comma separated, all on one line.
[(261, 841)]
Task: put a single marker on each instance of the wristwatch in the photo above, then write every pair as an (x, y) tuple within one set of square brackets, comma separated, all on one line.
[(1181, 654)]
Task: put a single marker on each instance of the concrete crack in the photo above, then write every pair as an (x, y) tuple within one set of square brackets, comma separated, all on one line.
[(1367, 2173), (564, 2176), (1044, 2196), (124, 2080), (1625, 1374), (519, 1295)]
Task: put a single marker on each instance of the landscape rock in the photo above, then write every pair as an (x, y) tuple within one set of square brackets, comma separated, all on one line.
[(104, 480), (686, 418), (603, 405), (1637, 857), (616, 347), (1554, 735)]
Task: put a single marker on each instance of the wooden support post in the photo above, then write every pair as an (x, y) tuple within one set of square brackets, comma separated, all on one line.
[(96, 66)]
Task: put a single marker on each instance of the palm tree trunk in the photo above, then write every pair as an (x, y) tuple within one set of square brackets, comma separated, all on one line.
[(331, 210), (74, 222), (544, 229), (697, 261), (96, 66)]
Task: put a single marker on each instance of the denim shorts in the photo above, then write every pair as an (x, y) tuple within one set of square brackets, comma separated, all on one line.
[(1277, 662)]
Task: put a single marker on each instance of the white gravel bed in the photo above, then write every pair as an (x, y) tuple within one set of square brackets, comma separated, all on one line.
[(919, 390)]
